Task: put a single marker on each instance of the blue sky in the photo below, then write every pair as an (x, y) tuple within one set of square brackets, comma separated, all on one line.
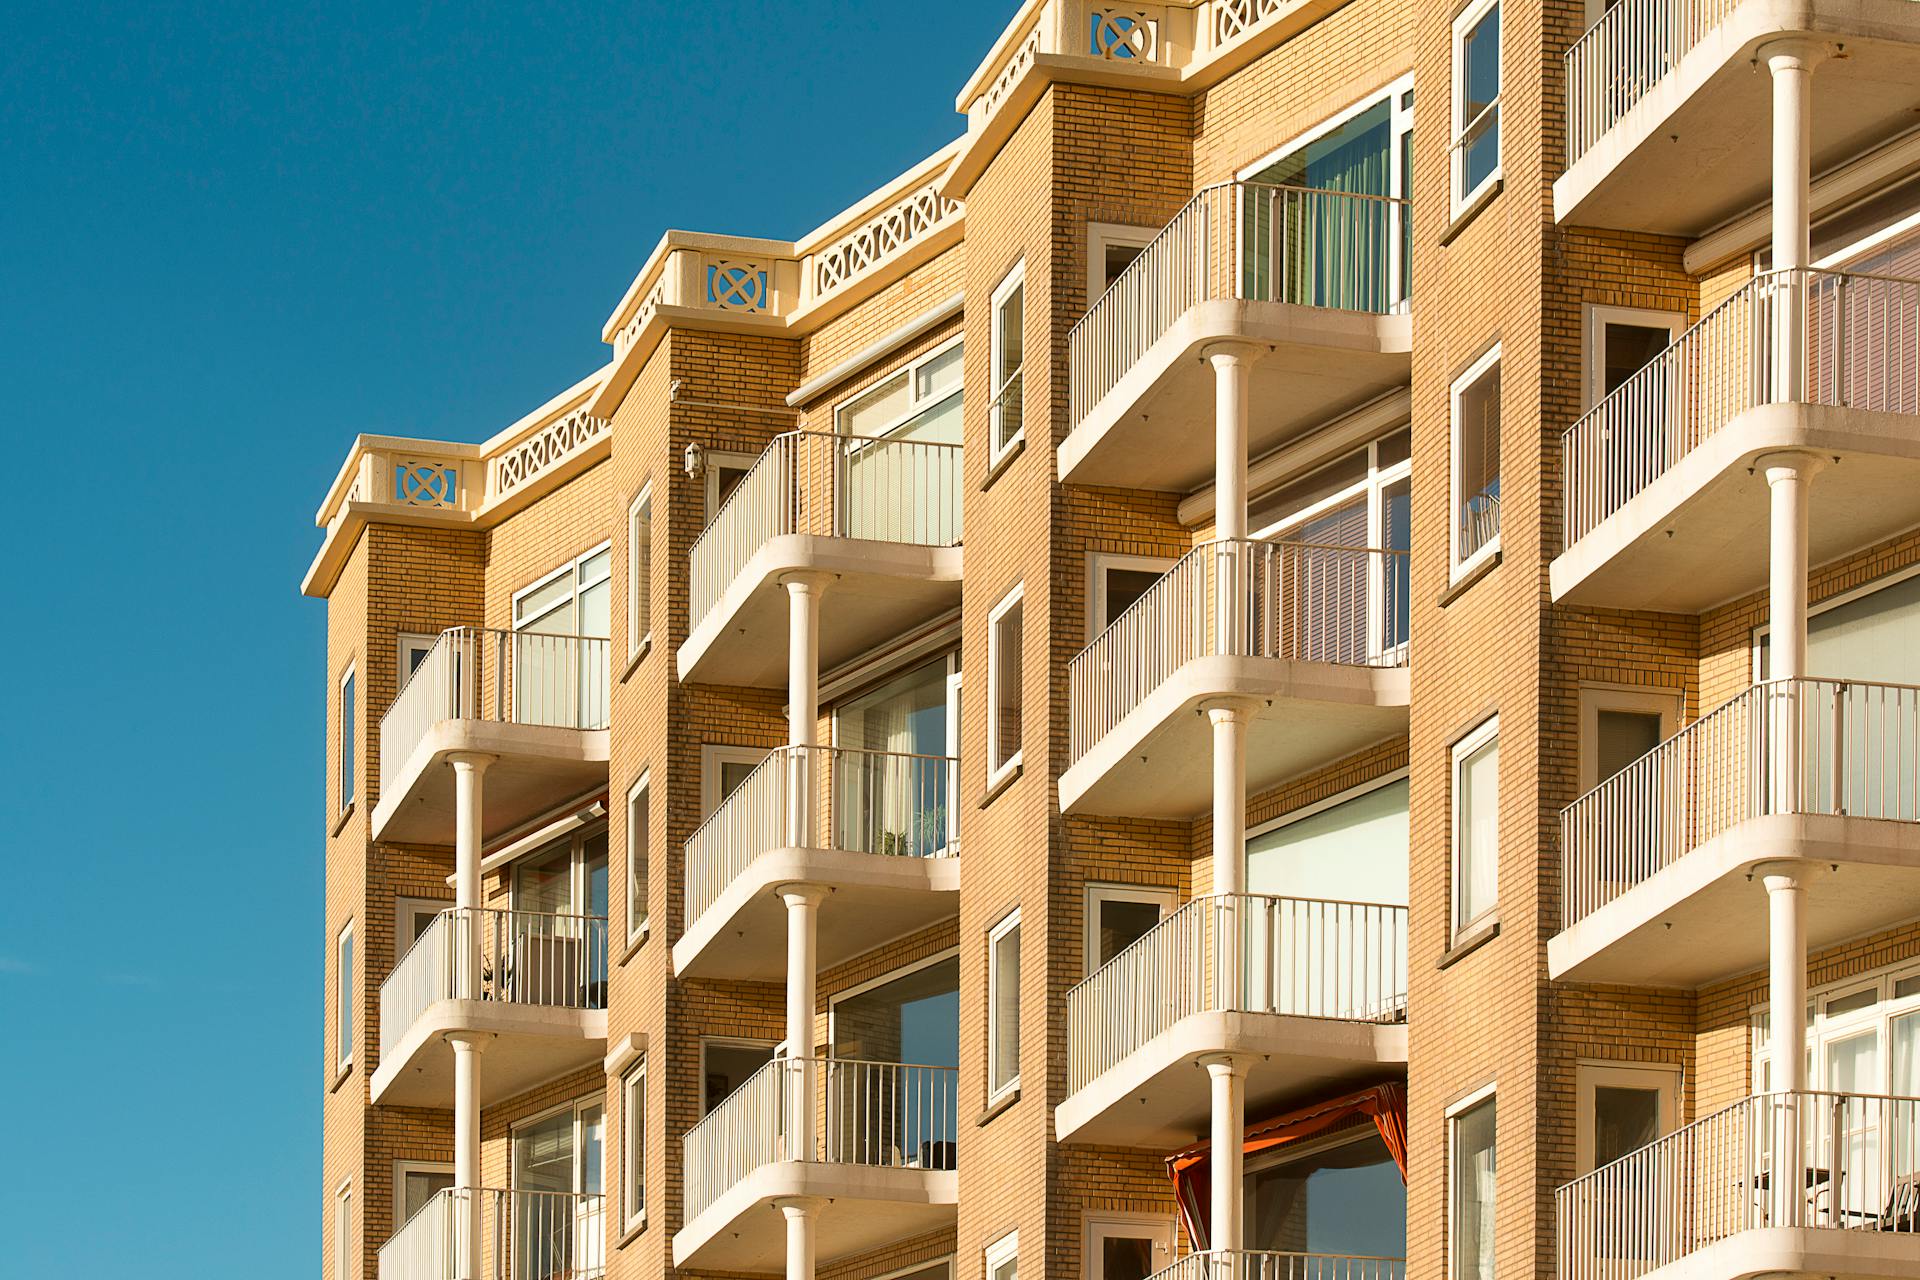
[(231, 236)]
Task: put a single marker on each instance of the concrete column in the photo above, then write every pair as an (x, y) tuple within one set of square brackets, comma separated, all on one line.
[(1227, 1076), (803, 922), (466, 1151), (1230, 717), (1791, 63), (803, 701), (1787, 1019), (1232, 363), (801, 1213), (1788, 477), (469, 768)]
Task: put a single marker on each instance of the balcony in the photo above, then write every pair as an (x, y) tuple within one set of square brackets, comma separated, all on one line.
[(880, 1147), (524, 1235), (1317, 277), (889, 856), (536, 983), (1251, 1264), (1664, 508), (1658, 859), (1316, 989), (882, 516), (536, 703), (1669, 122), (1703, 1202), (1317, 634)]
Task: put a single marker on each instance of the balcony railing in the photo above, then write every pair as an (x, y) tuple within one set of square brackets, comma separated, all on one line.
[(1250, 1264), (1857, 347), (884, 1114), (478, 673), (1242, 598), (880, 802), (835, 486), (1244, 953), (1245, 240), (1855, 1166), (1838, 747), (1624, 55), (514, 957), (524, 1235)]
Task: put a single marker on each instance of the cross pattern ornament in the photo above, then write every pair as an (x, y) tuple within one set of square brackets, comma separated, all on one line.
[(1124, 35), (737, 286), (422, 484)]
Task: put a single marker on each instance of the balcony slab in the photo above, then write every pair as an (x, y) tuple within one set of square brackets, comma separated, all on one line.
[(878, 589), (1698, 148), (1704, 918), (1154, 430), (1158, 761), (1159, 1097), (529, 1045), (1796, 1251), (535, 767), (1698, 535), (869, 1207), (873, 900)]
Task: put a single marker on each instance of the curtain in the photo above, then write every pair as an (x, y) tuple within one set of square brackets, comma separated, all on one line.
[(1319, 250), (1191, 1169)]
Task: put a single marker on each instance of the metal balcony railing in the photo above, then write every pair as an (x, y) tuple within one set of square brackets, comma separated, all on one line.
[(828, 485), (480, 673), (1799, 336), (885, 1114), (1247, 240), (881, 802), (1839, 747), (1853, 1165), (1241, 598), (514, 957), (1251, 1264), (524, 1235), (1244, 953), (1624, 55)]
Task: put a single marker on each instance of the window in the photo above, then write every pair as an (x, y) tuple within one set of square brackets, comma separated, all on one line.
[(1005, 354), (899, 802), (1340, 1194), (412, 650), (1003, 1008), (561, 1152), (1003, 1257), (1351, 847), (1119, 915), (1476, 102), (415, 1183), (343, 985), (1618, 726), (939, 1269), (911, 1015), (723, 474), (412, 918), (343, 1231), (1863, 635), (1115, 582), (559, 680), (639, 840), (633, 1146), (1111, 248), (919, 402), (1470, 1151), (640, 572), (562, 889), (1476, 463), (1621, 341), (726, 1064), (722, 770), (1476, 825), (1126, 1246), (1003, 686), (349, 732), (1621, 1109)]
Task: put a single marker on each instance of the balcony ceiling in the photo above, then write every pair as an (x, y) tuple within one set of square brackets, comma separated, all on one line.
[(867, 1207), (531, 1044), (535, 767)]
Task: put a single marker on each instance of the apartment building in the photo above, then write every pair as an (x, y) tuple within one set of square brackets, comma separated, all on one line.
[(1409, 765)]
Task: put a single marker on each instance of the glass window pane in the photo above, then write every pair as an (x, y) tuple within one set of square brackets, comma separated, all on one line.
[(422, 1185), (1477, 443), (1623, 737), (597, 567), (915, 1018), (1346, 1199), (1906, 1056), (876, 408), (542, 598), (1473, 1187), (1478, 854), (1123, 587), (1121, 923), (940, 374), (1479, 79), (596, 618), (1012, 338), (1126, 1258), (1355, 851), (1626, 349), (1006, 680), (1005, 1012), (1624, 1120)]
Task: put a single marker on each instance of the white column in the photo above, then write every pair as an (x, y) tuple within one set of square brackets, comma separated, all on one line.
[(1791, 63), (1227, 1076), (803, 701), (1230, 717), (1789, 475), (801, 1213), (466, 1151), (1787, 1021), (1232, 363), (803, 922), (469, 768)]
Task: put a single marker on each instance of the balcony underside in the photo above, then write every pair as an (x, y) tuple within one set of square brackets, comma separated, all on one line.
[(1792, 1251), (1155, 429), (1158, 761), (1159, 1097), (869, 1207), (1698, 535), (1698, 148), (874, 900), (531, 1044), (1704, 918), (535, 768), (878, 590)]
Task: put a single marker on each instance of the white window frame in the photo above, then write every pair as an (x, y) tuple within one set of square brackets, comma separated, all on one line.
[(1590, 1074), (1486, 731), (637, 887), (1598, 317), (1460, 568), (346, 704), (346, 1027), (404, 644), (1105, 1225), (572, 566), (405, 909), (1104, 235), (1000, 1252), (1098, 892), (1099, 564), (716, 461), (1485, 1093), (401, 1168), (998, 450), (1000, 770), (1456, 153), (916, 403), (576, 1106), (1824, 1029), (640, 573), (1004, 1088), (1595, 698), (342, 1228), (633, 1146), (835, 1000), (773, 1048), (712, 756)]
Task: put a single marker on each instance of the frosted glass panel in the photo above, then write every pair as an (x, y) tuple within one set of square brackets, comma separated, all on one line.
[(1353, 852), (1866, 639)]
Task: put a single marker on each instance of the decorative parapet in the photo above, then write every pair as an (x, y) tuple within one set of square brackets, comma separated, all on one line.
[(546, 448)]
